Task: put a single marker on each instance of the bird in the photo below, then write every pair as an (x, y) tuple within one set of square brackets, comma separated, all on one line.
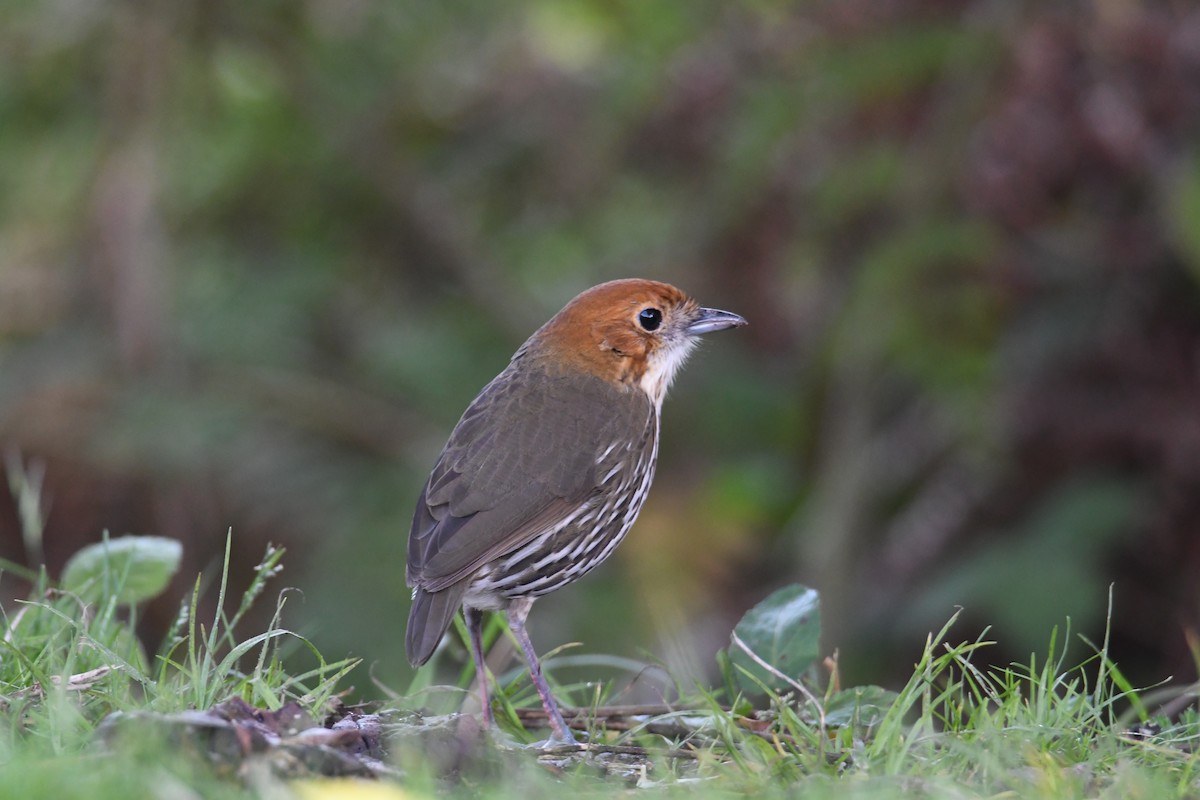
[(547, 469)]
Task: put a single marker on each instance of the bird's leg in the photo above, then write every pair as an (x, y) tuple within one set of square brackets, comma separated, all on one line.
[(517, 611), (474, 619)]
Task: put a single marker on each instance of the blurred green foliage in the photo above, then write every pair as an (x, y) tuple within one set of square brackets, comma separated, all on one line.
[(256, 258)]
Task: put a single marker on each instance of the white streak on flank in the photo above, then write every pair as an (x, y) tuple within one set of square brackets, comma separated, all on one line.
[(538, 541)]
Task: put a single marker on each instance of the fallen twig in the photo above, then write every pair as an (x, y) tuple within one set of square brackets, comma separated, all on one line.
[(619, 749)]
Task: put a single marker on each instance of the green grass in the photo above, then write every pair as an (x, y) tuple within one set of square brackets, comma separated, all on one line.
[(68, 659), (960, 728)]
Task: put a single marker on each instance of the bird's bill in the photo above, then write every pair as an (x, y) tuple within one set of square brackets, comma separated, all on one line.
[(713, 319)]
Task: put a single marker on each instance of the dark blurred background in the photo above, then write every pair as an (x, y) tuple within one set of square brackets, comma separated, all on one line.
[(255, 259)]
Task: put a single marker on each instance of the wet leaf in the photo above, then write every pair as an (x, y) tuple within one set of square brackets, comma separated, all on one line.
[(783, 630), (136, 568)]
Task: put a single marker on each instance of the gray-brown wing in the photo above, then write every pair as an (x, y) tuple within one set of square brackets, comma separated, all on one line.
[(523, 456)]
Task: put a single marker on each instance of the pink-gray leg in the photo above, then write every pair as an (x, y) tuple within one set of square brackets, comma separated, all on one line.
[(517, 612), (474, 619)]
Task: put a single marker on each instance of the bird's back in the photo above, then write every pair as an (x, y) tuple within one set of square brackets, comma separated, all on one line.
[(542, 455)]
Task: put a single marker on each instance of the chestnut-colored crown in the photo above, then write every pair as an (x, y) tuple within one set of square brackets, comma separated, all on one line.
[(633, 332)]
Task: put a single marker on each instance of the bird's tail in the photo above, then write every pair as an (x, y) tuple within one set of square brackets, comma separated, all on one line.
[(429, 618)]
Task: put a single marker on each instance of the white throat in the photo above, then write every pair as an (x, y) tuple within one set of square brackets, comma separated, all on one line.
[(662, 368)]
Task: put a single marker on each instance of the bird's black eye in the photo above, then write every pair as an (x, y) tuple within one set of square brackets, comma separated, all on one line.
[(650, 318)]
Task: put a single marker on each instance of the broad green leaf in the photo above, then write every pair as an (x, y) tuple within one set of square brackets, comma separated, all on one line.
[(130, 568), (784, 631), (861, 707)]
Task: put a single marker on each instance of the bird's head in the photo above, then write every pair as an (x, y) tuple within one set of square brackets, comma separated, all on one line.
[(633, 332)]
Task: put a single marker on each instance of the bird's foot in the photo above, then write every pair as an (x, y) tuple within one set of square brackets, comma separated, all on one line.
[(557, 740)]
